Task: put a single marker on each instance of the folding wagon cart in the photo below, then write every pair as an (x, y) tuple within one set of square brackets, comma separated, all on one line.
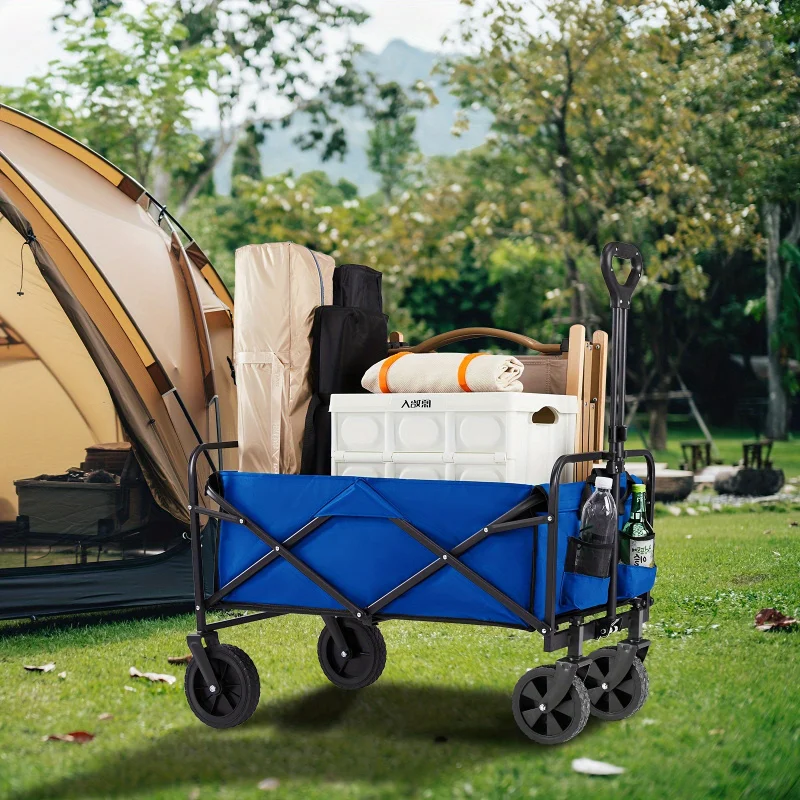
[(361, 551)]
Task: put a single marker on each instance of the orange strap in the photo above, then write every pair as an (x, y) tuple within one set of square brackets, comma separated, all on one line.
[(383, 375), (462, 370)]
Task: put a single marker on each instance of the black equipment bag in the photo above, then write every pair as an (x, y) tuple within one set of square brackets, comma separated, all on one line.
[(357, 286), (346, 342)]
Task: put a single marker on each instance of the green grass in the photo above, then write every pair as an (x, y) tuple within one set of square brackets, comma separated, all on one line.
[(785, 455), (722, 719)]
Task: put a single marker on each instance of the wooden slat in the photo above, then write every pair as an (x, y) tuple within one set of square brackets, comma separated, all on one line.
[(586, 408), (599, 373), (575, 367)]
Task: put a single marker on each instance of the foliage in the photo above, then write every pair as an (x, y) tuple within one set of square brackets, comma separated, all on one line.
[(391, 140), (127, 87), (247, 158), (788, 333)]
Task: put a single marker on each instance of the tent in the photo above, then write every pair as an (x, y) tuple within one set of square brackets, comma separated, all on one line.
[(114, 328)]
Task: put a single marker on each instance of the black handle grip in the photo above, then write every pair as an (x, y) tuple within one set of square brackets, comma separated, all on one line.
[(621, 293)]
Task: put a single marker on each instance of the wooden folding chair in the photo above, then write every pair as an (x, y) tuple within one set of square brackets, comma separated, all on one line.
[(587, 363)]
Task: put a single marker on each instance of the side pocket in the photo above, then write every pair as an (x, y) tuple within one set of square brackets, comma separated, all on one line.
[(634, 581), (586, 575), (588, 559)]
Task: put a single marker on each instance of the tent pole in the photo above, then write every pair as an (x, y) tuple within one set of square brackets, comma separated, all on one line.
[(176, 393), (218, 423)]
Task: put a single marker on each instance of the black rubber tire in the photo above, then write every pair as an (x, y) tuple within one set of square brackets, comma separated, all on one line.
[(625, 699), (561, 724), (238, 693), (366, 659)]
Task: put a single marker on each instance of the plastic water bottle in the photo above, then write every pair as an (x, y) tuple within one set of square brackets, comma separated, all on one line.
[(599, 517)]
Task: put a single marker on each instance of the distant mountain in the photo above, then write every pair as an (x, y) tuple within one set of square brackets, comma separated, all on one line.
[(398, 62)]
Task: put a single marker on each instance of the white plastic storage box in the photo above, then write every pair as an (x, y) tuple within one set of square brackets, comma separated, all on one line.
[(490, 436)]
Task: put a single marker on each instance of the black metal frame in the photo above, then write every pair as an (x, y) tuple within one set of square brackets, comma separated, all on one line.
[(570, 630)]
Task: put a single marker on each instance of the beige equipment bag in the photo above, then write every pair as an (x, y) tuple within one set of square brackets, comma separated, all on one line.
[(278, 286)]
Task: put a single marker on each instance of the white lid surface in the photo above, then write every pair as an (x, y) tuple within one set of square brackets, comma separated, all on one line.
[(603, 483)]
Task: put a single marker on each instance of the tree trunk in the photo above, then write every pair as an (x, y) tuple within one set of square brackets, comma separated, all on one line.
[(658, 424), (777, 410)]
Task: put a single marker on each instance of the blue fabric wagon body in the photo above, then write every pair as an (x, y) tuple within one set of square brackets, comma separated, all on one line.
[(364, 554)]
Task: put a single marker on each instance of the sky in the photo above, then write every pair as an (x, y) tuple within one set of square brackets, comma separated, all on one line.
[(27, 42)]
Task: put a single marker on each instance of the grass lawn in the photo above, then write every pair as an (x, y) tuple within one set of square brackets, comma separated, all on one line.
[(722, 719), (785, 455)]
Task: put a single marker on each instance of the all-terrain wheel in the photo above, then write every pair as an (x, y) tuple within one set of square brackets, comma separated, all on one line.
[(549, 726), (235, 699), (626, 698), (362, 662)]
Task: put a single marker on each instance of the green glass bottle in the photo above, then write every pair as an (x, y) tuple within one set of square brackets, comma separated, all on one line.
[(637, 542)]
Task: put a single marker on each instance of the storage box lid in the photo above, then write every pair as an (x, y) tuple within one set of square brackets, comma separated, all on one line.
[(459, 401)]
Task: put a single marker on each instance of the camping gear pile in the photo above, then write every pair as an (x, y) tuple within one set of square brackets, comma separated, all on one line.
[(491, 540)]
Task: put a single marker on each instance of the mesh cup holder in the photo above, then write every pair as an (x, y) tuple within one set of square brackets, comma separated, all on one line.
[(585, 558)]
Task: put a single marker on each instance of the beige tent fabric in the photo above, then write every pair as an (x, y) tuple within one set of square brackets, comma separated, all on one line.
[(137, 307), (41, 429), (278, 286), (131, 251)]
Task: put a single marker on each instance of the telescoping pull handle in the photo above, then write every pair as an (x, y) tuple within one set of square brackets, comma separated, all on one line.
[(621, 293)]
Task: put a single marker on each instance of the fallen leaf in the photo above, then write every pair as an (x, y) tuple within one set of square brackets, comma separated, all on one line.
[(129, 689), (76, 737), (768, 532), (194, 794), (716, 732), (155, 677), (179, 659), (588, 766), (648, 721), (269, 784), (770, 618), (42, 668), (688, 535), (105, 717), (62, 675)]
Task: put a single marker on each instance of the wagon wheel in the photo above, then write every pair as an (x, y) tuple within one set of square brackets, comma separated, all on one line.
[(549, 726), (234, 700), (362, 662), (626, 698)]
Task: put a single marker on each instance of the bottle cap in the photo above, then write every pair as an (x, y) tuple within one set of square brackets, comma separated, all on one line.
[(603, 483), (639, 488)]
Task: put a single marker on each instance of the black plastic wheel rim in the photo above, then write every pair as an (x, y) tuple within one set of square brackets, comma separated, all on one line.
[(547, 724), (613, 702), (360, 658), (228, 694)]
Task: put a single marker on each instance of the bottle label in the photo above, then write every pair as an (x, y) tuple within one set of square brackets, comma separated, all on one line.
[(642, 552)]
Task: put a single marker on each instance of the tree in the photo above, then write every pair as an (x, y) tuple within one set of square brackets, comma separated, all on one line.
[(294, 53), (130, 101), (392, 143), (247, 158), (759, 155), (624, 120)]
